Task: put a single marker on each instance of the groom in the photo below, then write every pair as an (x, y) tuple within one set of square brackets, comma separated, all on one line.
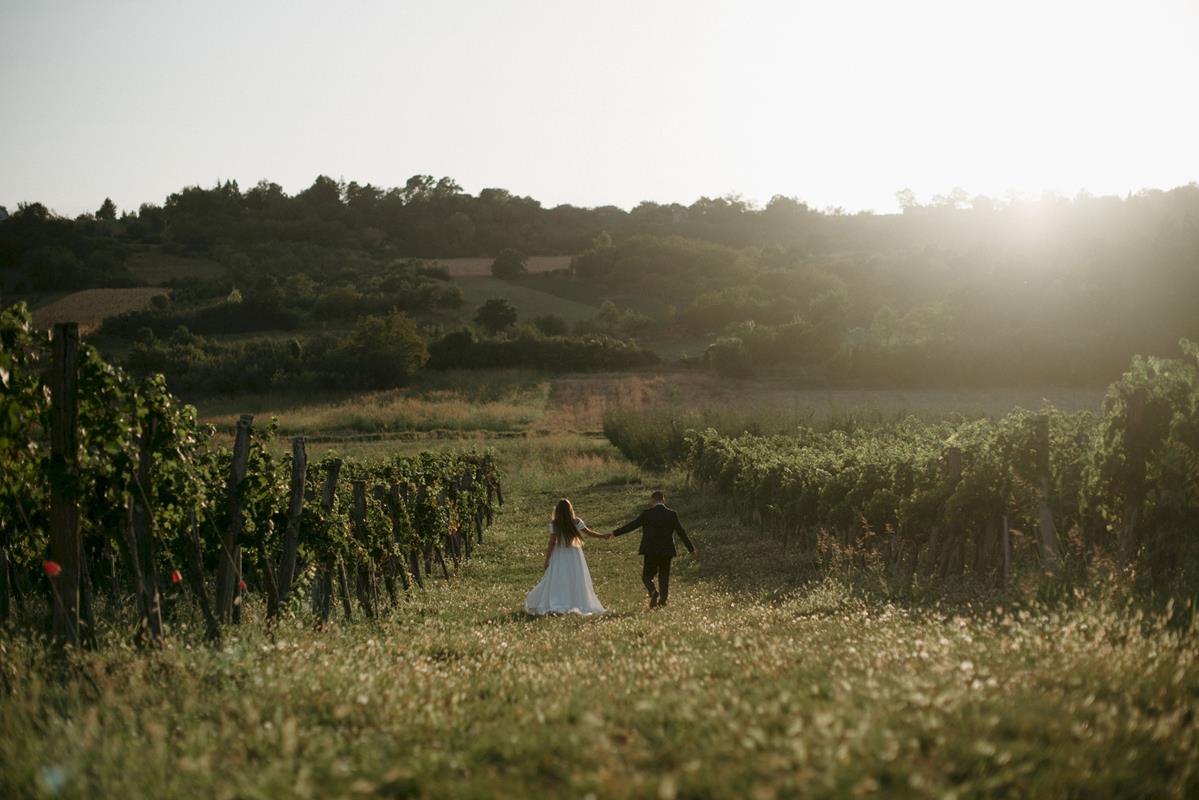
[(659, 525)]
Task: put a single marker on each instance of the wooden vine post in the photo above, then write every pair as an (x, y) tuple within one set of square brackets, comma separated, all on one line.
[(229, 569), (1049, 554), (398, 498), (65, 539), (389, 562), (196, 580), (333, 566), (1134, 496), (144, 549), (295, 511), (956, 547), (365, 583)]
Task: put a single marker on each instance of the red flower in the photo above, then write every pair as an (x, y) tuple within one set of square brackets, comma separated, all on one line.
[(241, 585), (175, 576), (52, 568)]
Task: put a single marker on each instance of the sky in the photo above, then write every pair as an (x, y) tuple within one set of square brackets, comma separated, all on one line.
[(839, 103)]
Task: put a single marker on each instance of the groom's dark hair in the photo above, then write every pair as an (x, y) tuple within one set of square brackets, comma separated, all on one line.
[(657, 497)]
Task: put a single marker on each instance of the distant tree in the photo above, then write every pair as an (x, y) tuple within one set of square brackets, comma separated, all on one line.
[(906, 200), (496, 315), (383, 351), (107, 211), (608, 316), (551, 325), (601, 240), (3, 213), (510, 264)]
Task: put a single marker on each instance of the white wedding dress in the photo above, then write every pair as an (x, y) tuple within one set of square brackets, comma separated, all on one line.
[(566, 586)]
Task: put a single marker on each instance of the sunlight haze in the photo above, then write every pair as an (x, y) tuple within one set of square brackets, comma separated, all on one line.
[(838, 104)]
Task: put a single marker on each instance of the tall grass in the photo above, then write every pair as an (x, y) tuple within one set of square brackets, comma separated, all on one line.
[(494, 401)]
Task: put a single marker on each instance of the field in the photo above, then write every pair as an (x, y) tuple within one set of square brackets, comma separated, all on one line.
[(474, 267), (90, 306), (529, 301), (755, 681)]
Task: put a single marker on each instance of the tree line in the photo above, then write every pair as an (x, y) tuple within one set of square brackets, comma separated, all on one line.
[(956, 290)]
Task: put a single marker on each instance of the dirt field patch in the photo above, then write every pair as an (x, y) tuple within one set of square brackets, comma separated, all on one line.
[(91, 306)]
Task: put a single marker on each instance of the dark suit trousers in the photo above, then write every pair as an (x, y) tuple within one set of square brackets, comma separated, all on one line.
[(659, 567)]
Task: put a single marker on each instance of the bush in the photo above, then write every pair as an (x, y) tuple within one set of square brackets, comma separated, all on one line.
[(495, 315), (551, 325), (510, 264), (464, 350), (383, 352)]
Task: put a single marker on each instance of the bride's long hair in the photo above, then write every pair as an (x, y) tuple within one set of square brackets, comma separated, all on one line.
[(564, 522)]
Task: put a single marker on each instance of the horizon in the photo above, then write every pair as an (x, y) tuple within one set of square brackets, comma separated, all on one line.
[(963, 200), (663, 102)]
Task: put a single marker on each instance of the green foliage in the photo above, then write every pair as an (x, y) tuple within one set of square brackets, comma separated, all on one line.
[(510, 264), (941, 295), (381, 352), (529, 350), (496, 315), (670, 264), (1121, 484), (139, 446), (551, 325)]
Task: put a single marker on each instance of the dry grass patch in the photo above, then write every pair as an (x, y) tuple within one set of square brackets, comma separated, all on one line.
[(396, 410), (91, 306)]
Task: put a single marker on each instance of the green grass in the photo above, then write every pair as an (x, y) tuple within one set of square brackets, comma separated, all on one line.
[(529, 302), (755, 682)]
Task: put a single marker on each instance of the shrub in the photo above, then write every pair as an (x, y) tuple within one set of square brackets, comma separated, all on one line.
[(495, 315), (464, 350), (551, 325), (510, 264)]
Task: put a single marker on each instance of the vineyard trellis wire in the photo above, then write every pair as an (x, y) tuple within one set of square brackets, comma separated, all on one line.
[(112, 490)]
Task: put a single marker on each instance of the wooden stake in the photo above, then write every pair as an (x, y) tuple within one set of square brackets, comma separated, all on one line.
[(228, 573), (65, 543), (1049, 552), (143, 536), (196, 580), (365, 574), (295, 511)]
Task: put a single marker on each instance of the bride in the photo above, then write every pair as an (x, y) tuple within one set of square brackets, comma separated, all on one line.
[(566, 586)]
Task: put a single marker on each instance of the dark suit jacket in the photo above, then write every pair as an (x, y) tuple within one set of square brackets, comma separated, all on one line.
[(659, 524)]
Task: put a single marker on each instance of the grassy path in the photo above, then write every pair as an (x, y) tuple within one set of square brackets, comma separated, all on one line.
[(747, 685)]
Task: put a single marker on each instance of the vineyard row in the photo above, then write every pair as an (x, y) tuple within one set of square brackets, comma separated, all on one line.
[(932, 501), (113, 491)]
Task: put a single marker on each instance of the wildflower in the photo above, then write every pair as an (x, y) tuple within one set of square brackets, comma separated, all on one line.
[(52, 568), (241, 585), (176, 576)]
